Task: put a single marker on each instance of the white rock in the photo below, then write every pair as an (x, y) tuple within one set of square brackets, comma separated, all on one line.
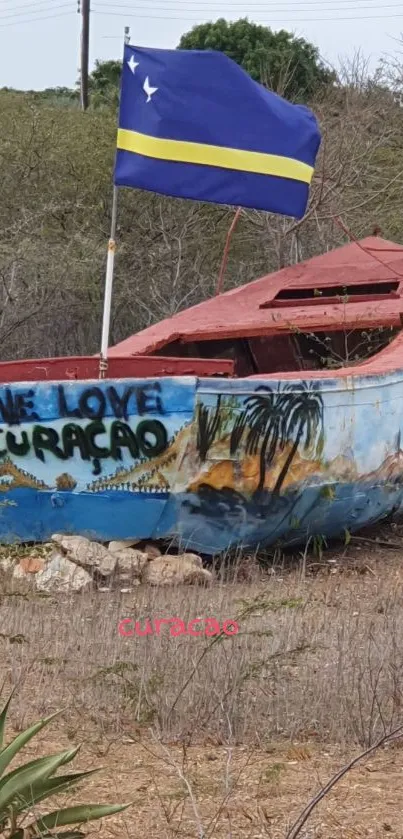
[(7, 565), (152, 550), (122, 544), (175, 570), (62, 575), (195, 558), (107, 564), (129, 564), (86, 554)]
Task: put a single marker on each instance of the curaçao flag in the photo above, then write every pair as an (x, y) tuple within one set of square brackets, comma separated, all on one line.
[(193, 124)]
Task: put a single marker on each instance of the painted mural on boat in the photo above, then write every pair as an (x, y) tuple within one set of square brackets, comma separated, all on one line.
[(211, 463)]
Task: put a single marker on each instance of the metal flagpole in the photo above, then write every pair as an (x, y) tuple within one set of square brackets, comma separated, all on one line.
[(110, 262)]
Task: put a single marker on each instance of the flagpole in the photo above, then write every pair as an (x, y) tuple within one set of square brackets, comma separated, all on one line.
[(110, 264)]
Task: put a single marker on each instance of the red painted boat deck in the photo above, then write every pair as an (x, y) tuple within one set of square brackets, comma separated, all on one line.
[(356, 287), (249, 331)]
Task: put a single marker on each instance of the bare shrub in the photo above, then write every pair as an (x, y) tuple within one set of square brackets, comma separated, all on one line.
[(56, 165)]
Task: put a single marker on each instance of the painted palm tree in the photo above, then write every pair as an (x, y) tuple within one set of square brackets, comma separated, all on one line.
[(208, 424), (263, 418), (238, 430), (302, 410)]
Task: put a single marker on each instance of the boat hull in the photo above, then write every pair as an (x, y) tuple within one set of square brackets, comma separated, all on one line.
[(211, 464)]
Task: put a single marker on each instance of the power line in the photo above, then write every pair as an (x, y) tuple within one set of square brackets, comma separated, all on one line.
[(248, 8), (265, 20), (24, 5), (274, 9), (34, 20), (51, 8)]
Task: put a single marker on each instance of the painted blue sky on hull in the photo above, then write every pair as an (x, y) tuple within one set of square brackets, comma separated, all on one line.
[(83, 470), (361, 420), (175, 395), (168, 403)]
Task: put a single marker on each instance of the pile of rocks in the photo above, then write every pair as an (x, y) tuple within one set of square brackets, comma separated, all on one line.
[(76, 563)]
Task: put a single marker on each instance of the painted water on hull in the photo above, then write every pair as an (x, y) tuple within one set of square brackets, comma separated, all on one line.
[(211, 463), (307, 513), (209, 523), (28, 515)]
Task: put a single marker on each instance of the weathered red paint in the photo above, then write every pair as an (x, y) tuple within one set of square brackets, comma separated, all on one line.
[(251, 310), (327, 301), (120, 367)]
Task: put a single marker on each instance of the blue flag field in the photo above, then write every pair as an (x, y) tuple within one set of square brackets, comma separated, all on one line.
[(193, 124)]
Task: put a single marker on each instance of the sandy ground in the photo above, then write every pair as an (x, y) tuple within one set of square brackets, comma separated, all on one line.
[(321, 653), (239, 792)]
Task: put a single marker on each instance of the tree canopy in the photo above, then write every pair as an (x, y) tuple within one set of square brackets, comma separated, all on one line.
[(104, 82), (288, 65)]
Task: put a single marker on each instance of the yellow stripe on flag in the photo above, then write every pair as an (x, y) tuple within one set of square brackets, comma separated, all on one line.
[(180, 151)]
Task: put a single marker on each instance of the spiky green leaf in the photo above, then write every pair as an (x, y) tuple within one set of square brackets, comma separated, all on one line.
[(7, 754), (3, 717), (77, 815), (69, 756), (25, 777), (52, 786)]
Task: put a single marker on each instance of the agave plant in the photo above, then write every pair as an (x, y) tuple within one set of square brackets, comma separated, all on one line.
[(23, 788)]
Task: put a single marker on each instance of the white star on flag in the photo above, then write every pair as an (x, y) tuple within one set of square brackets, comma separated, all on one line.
[(133, 64), (148, 89)]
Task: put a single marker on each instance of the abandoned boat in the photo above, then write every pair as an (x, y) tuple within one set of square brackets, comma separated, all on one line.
[(270, 414)]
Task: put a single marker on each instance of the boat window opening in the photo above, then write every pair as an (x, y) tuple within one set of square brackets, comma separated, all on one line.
[(317, 295), (237, 350), (335, 350), (320, 350), (290, 352)]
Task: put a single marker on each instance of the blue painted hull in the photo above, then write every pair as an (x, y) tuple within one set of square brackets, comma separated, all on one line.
[(211, 464), (218, 527)]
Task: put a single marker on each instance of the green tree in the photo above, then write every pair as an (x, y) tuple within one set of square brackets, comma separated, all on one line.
[(291, 66), (104, 82)]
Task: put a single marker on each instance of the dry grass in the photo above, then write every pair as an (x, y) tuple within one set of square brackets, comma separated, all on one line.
[(226, 738), (320, 656)]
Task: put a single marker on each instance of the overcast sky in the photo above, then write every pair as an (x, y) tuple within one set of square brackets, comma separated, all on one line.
[(39, 39)]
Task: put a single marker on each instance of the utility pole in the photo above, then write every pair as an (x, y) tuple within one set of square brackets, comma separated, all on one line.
[(84, 7)]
